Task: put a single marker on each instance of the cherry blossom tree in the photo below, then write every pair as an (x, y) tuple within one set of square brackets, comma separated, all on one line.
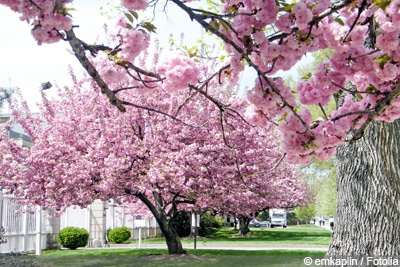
[(85, 149), (268, 36)]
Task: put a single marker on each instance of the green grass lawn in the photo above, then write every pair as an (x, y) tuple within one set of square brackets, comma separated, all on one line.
[(304, 234), (307, 234), (195, 258)]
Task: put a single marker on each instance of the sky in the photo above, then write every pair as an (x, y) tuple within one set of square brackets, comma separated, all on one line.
[(26, 65)]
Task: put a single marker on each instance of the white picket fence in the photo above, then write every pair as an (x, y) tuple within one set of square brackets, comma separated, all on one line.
[(19, 227), (115, 217), (21, 230)]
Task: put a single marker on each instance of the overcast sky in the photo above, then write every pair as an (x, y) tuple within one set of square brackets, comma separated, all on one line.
[(26, 65)]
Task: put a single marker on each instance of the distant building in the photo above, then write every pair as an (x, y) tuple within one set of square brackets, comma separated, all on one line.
[(16, 132)]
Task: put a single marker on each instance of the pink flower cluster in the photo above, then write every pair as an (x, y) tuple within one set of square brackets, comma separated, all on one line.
[(302, 14), (268, 101), (372, 72), (132, 42), (110, 72), (135, 4), (47, 25), (89, 150), (50, 27), (274, 36), (320, 87), (179, 71)]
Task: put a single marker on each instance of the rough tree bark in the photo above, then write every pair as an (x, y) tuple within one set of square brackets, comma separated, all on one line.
[(368, 194), (172, 239), (244, 225)]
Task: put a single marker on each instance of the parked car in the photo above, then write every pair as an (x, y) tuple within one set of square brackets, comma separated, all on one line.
[(279, 220), (254, 223), (265, 224)]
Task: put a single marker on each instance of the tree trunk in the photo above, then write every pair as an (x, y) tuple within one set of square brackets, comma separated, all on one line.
[(172, 239), (244, 225), (368, 194)]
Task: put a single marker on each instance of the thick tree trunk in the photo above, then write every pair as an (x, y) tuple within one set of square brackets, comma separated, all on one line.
[(172, 239), (244, 225), (368, 194)]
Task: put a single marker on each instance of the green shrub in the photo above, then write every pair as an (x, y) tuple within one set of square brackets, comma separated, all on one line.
[(209, 224), (73, 237), (119, 235)]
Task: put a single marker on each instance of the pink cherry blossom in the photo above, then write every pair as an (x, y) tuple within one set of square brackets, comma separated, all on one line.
[(180, 71), (135, 4), (268, 37), (303, 15)]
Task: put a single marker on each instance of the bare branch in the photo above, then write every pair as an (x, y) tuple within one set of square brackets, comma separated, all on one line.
[(157, 111)]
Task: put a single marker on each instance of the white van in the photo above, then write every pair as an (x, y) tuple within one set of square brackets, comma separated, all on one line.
[(278, 219)]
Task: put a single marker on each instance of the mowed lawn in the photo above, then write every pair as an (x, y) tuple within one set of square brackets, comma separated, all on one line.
[(195, 258), (303, 235)]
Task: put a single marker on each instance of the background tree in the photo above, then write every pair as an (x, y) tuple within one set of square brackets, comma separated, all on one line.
[(325, 188), (304, 214), (321, 177), (5, 94), (85, 149)]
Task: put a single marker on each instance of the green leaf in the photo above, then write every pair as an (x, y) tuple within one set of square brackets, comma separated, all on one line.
[(358, 96), (192, 52), (149, 26), (286, 7), (36, 26), (215, 24), (306, 76), (381, 3), (134, 14), (340, 21), (382, 60), (129, 17), (69, 9), (225, 25), (371, 89)]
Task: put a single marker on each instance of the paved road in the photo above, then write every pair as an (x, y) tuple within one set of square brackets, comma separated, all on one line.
[(205, 245)]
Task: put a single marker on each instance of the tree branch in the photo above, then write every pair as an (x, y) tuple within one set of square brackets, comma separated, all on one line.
[(380, 107), (79, 51)]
